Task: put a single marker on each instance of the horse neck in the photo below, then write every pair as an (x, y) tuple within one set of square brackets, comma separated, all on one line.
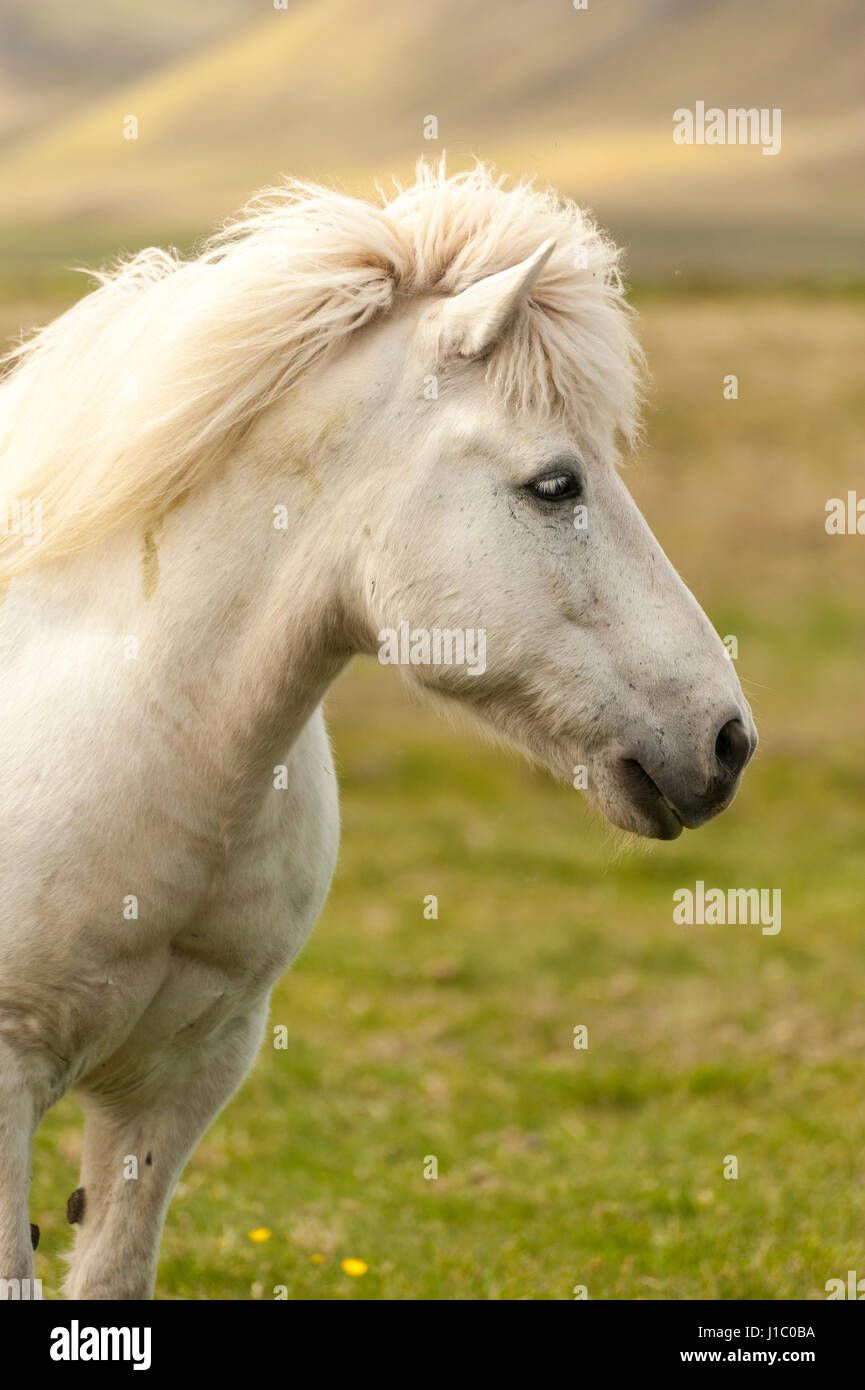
[(238, 625)]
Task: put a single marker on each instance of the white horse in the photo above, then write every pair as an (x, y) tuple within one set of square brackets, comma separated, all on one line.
[(221, 479)]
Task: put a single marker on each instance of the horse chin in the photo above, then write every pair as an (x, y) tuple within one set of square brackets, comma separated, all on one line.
[(630, 800), (661, 823)]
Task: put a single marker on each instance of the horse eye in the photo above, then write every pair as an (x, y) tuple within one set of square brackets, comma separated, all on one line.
[(555, 487)]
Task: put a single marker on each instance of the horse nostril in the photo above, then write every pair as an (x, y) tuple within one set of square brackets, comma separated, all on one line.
[(733, 747)]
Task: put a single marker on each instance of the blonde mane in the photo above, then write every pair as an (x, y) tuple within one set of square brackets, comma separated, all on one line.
[(123, 403)]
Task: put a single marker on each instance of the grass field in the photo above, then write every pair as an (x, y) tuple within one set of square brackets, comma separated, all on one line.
[(453, 1037)]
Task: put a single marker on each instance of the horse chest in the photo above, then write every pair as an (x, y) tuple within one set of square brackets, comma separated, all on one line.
[(221, 964), (267, 894)]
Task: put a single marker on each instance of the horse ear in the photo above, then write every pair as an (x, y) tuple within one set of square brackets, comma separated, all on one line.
[(471, 321)]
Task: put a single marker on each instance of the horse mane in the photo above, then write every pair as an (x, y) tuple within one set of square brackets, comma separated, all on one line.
[(115, 409)]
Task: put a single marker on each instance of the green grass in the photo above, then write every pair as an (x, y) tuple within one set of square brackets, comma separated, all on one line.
[(453, 1037)]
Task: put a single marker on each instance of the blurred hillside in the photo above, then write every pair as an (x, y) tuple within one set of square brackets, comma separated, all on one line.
[(232, 94), (55, 57)]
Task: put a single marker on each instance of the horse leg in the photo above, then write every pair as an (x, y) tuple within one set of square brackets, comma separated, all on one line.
[(20, 1112), (120, 1216)]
